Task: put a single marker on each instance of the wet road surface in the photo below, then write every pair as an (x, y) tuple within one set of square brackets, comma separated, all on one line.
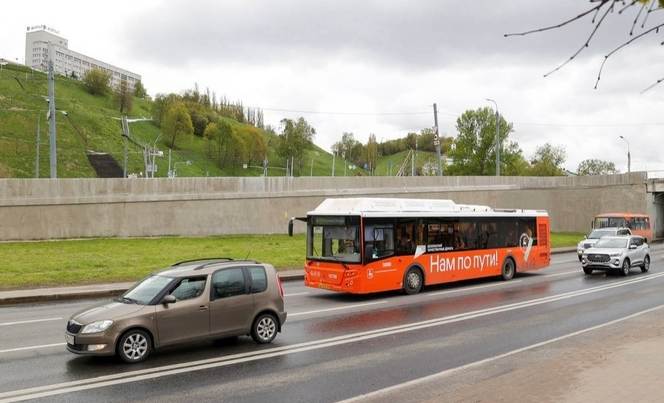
[(334, 346)]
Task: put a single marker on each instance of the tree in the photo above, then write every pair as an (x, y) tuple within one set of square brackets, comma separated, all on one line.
[(139, 90), (123, 98), (474, 151), (235, 150), (97, 81), (548, 161), (160, 105), (177, 122), (599, 11), (294, 138), (372, 152), (596, 167), (255, 142)]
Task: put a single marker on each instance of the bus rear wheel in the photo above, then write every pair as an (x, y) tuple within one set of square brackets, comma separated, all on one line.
[(413, 281), (508, 270)]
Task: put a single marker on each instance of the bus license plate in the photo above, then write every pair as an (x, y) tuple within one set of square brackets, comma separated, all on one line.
[(70, 339)]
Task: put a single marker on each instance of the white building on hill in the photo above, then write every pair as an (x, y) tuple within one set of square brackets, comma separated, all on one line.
[(66, 61)]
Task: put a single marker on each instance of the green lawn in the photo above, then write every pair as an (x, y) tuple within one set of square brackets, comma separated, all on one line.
[(564, 239), (57, 263)]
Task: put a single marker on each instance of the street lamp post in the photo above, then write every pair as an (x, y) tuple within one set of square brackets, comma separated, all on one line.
[(629, 156), (497, 137)]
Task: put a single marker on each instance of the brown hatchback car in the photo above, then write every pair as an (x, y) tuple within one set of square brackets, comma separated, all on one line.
[(191, 300)]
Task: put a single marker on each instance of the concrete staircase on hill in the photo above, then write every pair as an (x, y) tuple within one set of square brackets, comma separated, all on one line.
[(104, 165)]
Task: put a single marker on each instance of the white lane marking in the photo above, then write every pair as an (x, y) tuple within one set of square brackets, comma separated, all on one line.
[(474, 288), (290, 315), (22, 322), (383, 393), (295, 294), (565, 273), (158, 372), (32, 347)]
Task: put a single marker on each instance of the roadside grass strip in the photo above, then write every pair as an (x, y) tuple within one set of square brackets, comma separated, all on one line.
[(174, 369)]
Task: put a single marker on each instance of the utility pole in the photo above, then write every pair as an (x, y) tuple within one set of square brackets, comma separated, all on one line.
[(498, 142), (170, 174), (125, 135), (436, 140), (629, 156), (37, 150), (311, 172), (334, 157), (53, 159)]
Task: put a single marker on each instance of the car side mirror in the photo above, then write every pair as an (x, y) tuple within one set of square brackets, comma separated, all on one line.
[(168, 299), (632, 246)]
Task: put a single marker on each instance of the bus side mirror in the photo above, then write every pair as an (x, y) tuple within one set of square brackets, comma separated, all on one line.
[(290, 226)]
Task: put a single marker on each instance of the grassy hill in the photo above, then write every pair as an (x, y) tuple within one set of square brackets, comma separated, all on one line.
[(390, 164), (91, 125)]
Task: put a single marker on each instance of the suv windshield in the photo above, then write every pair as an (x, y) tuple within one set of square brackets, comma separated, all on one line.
[(611, 243), (145, 291), (334, 239), (596, 234)]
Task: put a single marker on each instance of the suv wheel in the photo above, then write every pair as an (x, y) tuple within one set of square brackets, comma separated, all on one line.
[(646, 264), (625, 267), (134, 346), (588, 270), (412, 282), (264, 329), (508, 270)]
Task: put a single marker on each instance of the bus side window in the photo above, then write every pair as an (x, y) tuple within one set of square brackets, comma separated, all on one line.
[(646, 223), (405, 238)]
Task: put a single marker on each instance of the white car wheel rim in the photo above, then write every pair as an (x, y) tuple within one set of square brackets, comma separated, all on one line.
[(135, 346), (266, 328)]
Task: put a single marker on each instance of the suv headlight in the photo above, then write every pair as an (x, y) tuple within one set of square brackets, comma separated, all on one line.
[(617, 254), (96, 327)]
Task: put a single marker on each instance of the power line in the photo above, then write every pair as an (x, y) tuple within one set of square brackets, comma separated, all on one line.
[(310, 112)]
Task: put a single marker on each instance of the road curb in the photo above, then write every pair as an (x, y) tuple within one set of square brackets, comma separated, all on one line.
[(109, 290)]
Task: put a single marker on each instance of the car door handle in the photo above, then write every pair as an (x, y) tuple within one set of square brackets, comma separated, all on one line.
[(203, 308)]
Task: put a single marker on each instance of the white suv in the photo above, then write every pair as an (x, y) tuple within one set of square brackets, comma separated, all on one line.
[(598, 233), (617, 253)]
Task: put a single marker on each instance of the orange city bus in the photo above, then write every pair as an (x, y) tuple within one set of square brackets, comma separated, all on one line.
[(366, 245), (639, 224)]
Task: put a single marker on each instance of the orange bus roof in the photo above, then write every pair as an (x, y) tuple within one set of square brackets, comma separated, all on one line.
[(605, 215)]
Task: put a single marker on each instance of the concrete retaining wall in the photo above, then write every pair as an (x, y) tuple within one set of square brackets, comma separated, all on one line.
[(72, 208)]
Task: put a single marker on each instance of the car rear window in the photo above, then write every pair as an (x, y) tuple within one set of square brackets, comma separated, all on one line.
[(258, 279)]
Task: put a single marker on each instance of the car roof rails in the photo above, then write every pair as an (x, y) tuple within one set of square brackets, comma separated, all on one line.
[(209, 259)]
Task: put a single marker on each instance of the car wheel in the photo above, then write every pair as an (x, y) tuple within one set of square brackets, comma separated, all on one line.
[(264, 329), (625, 267), (413, 281), (588, 270), (646, 264), (508, 270), (134, 346)]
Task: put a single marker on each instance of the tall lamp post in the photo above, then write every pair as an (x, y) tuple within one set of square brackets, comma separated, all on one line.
[(497, 137), (629, 157)]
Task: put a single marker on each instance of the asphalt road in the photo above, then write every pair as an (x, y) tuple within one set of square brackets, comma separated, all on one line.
[(334, 346)]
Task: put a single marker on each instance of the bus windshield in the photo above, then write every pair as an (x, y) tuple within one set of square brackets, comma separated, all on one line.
[(605, 222), (334, 238)]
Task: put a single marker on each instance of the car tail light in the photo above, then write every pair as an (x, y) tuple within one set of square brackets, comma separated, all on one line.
[(281, 287)]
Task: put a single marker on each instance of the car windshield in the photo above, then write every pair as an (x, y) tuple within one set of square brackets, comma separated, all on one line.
[(611, 243), (597, 234), (145, 291)]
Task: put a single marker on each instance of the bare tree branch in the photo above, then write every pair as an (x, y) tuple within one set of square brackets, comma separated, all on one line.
[(627, 43), (648, 88), (562, 24), (585, 45)]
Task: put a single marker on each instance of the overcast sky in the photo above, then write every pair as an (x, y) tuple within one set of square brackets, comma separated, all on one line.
[(359, 63)]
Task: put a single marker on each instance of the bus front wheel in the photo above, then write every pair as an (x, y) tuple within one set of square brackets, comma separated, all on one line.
[(413, 281), (509, 269)]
